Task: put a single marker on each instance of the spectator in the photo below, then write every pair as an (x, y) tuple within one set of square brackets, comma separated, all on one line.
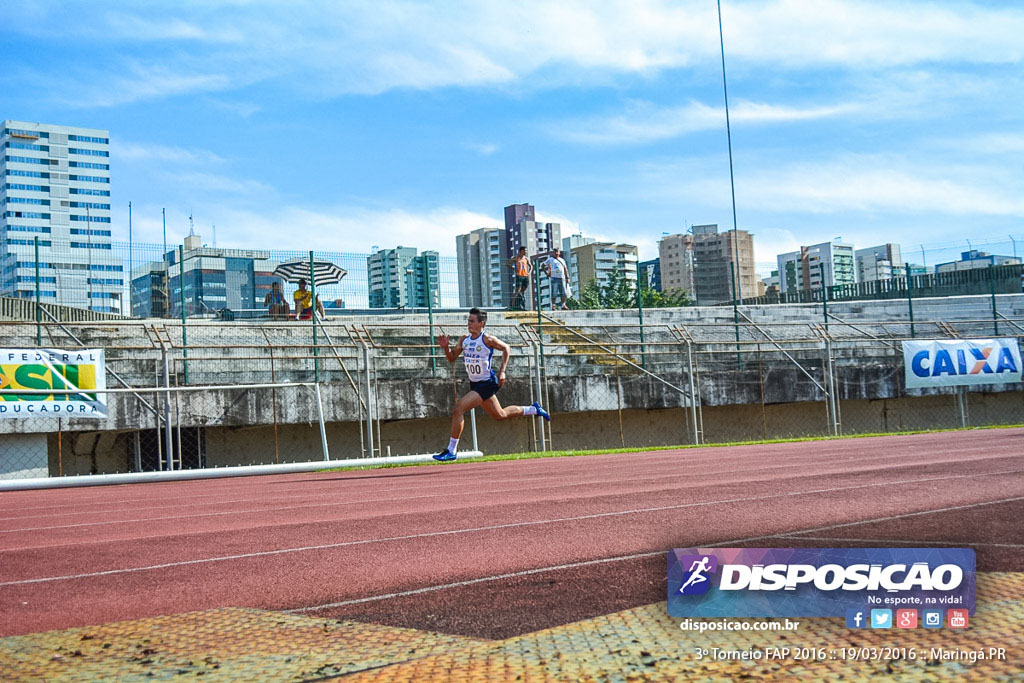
[(558, 271), (304, 303), (277, 307), (523, 269)]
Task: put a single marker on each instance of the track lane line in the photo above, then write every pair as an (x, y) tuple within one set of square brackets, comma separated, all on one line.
[(511, 525), (609, 461), (605, 560), (446, 493)]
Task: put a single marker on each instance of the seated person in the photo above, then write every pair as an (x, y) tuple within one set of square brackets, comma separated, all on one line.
[(303, 303), (277, 307)]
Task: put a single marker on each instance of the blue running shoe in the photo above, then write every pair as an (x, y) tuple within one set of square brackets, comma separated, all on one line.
[(543, 413), (444, 456)]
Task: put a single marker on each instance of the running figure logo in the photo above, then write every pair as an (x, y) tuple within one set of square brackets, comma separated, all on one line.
[(696, 581)]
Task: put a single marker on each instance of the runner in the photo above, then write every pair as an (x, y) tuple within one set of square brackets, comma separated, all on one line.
[(477, 349)]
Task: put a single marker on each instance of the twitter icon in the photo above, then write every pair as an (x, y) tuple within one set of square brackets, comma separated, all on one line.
[(881, 618)]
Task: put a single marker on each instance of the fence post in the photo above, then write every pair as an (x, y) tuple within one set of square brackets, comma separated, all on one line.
[(369, 401), (540, 334), (824, 293), (640, 311), (320, 416), (992, 291), (910, 299), (694, 393), (472, 427), (168, 437), (428, 292), (181, 291), (312, 317), (831, 394), (39, 312), (735, 314), (538, 357)]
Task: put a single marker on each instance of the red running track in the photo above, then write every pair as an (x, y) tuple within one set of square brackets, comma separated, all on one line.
[(491, 549)]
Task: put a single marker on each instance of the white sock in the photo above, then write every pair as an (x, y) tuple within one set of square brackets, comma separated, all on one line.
[(529, 410), (453, 445)]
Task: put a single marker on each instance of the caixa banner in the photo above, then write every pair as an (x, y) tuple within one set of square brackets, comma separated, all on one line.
[(817, 582), (39, 370), (959, 362)]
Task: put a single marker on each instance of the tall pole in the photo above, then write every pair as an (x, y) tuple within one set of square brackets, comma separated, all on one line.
[(167, 270), (992, 291), (910, 300), (640, 312), (181, 290), (131, 263), (430, 312), (732, 183), (824, 293), (39, 312)]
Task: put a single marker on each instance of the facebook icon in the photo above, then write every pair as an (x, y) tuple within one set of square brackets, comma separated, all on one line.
[(856, 618)]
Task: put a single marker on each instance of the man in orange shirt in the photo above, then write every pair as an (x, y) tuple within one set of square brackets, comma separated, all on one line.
[(523, 269)]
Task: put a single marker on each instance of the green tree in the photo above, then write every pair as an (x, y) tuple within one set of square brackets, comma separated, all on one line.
[(619, 292)]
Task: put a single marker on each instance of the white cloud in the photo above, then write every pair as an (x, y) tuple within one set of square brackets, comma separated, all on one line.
[(483, 149), (328, 49), (344, 228), (129, 151), (644, 122), (140, 82)]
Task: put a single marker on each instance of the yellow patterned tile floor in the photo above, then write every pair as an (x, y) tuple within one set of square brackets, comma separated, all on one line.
[(642, 644)]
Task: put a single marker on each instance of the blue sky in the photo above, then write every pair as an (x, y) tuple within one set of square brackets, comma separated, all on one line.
[(344, 125)]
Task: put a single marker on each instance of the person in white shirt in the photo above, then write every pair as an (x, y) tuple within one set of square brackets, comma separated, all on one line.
[(558, 271), (484, 383)]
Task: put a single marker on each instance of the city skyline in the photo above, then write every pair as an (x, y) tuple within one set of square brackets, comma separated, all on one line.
[(411, 129)]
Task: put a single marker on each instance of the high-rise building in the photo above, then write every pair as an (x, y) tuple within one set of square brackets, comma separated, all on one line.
[(484, 276), (597, 260), (828, 263), (877, 263), (397, 278), (702, 263), (215, 280), (56, 187)]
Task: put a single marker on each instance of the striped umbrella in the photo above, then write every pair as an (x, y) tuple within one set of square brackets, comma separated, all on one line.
[(297, 269)]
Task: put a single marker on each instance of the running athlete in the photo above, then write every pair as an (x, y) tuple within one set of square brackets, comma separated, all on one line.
[(477, 349)]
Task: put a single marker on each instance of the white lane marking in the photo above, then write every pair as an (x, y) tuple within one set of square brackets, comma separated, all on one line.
[(619, 558), (795, 534), (494, 527), (417, 483), (449, 494), (894, 542), (469, 582)]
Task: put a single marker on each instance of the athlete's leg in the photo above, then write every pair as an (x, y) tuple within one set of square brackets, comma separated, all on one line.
[(493, 408), (464, 405)]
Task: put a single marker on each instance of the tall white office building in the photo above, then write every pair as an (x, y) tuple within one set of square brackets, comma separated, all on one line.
[(484, 276), (56, 187)]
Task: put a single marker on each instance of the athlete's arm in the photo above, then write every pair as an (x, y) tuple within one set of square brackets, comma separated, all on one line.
[(506, 353), (450, 353)]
